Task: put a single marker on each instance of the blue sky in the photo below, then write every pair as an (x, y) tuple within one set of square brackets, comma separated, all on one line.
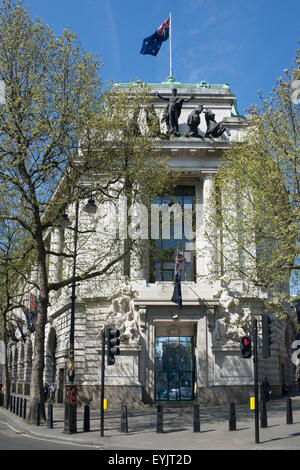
[(245, 43)]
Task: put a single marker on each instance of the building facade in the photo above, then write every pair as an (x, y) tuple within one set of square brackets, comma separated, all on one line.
[(167, 354)]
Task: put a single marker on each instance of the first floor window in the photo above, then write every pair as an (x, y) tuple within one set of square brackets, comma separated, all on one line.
[(164, 250)]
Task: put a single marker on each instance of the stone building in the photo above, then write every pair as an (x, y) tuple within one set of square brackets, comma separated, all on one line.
[(167, 354)]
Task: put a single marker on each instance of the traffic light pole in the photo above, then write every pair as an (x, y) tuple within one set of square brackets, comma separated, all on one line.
[(102, 383), (255, 360)]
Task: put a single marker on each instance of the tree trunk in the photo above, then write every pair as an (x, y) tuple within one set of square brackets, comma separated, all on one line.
[(36, 386), (5, 374)]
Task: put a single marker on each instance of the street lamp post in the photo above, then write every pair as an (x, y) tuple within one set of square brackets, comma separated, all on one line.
[(70, 422)]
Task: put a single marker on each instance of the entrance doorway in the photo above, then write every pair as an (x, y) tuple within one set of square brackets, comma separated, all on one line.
[(174, 368)]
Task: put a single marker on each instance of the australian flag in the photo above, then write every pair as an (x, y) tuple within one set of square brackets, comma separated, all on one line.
[(177, 297), (20, 323), (152, 44)]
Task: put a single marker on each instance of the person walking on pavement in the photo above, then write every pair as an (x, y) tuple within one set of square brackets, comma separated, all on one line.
[(45, 391), (266, 388), (52, 390)]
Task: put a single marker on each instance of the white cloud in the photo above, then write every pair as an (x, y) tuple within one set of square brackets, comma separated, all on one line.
[(114, 37)]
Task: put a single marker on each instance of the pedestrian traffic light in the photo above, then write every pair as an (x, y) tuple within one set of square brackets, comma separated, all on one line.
[(245, 347), (266, 333), (112, 341)]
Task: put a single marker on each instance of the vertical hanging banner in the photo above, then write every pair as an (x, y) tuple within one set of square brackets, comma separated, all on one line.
[(20, 323), (31, 313), (29, 318)]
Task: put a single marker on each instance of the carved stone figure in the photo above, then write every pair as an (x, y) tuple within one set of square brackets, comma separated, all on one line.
[(227, 301), (193, 122), (219, 331), (214, 128), (152, 121), (173, 111), (236, 326), (133, 122), (123, 316), (231, 327), (234, 322)]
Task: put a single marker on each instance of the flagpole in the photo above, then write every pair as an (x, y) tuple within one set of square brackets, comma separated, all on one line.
[(171, 68), (177, 254)]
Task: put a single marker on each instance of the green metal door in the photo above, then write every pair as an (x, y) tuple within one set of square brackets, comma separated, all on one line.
[(174, 368)]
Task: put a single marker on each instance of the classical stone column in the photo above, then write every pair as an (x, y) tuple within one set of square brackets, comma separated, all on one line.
[(202, 353), (207, 259), (27, 367), (14, 370), (56, 262), (138, 230), (20, 368)]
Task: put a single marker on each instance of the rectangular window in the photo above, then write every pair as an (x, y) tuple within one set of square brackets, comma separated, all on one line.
[(172, 240)]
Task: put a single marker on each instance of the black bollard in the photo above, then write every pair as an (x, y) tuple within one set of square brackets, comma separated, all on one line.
[(11, 403), (124, 419), (37, 414), (86, 419), (70, 421), (24, 408), (21, 407), (50, 416), (196, 427), (159, 420), (17, 407), (289, 411), (263, 415), (232, 417)]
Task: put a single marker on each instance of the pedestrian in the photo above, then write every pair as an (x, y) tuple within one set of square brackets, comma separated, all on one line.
[(52, 390), (285, 390), (45, 391), (266, 388)]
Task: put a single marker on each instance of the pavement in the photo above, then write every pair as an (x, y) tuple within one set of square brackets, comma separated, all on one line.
[(177, 432)]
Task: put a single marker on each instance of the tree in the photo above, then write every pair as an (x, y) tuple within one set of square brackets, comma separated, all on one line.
[(14, 271), (256, 197), (64, 137)]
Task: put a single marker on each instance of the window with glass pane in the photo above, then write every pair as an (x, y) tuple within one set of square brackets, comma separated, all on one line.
[(164, 251)]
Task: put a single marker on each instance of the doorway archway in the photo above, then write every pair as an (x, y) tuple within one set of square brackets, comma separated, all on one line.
[(50, 359)]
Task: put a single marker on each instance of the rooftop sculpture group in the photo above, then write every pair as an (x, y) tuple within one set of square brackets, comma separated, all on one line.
[(172, 113)]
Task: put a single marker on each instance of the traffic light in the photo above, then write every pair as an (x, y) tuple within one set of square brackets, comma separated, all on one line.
[(266, 333), (112, 341), (245, 347)]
